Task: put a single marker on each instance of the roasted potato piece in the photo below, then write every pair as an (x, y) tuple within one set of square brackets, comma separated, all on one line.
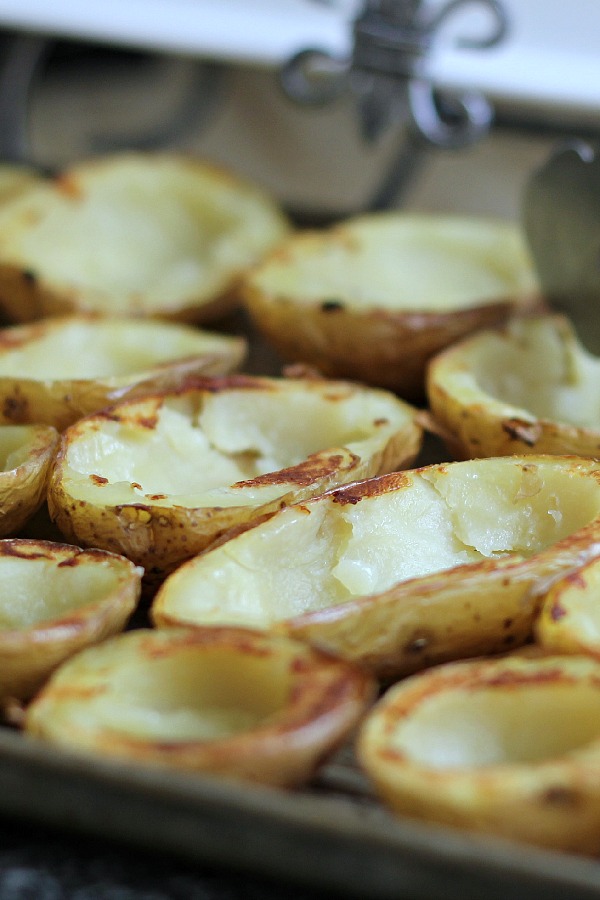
[(26, 456), (375, 297), (503, 746), (569, 621), (530, 387), (134, 234), (54, 600), (229, 702), (57, 370), (406, 570), (162, 478)]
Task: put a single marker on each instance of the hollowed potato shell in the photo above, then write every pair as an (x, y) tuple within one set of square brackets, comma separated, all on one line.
[(530, 387), (26, 456), (569, 620), (406, 570), (143, 234), (229, 702), (373, 298), (507, 746), (162, 478), (57, 370), (56, 599)]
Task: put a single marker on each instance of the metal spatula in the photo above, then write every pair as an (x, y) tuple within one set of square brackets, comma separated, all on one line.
[(561, 219)]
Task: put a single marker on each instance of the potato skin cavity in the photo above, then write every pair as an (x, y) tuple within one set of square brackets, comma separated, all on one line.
[(27, 454), (479, 745), (57, 370), (230, 702), (530, 387), (375, 297), (161, 479), (56, 599), (145, 234), (406, 570)]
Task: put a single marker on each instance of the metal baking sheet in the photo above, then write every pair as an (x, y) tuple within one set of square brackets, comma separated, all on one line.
[(331, 835)]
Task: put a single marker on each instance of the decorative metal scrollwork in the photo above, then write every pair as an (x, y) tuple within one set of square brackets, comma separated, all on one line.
[(391, 41)]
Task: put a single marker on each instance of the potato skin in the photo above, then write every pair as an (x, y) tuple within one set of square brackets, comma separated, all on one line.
[(475, 424), (322, 699), (62, 401), (256, 224), (551, 799), (379, 347), (388, 342), (29, 655), (482, 607), (569, 618), (23, 489), (161, 537)]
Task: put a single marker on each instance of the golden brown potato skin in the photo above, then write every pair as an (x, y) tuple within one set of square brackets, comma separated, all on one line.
[(474, 422), (216, 201), (160, 537), (378, 347), (312, 702), (540, 789), (23, 488), (350, 301), (29, 654), (60, 401)]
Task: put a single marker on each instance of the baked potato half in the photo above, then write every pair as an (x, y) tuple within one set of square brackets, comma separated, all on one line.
[(508, 746), (161, 478), (136, 234), (26, 456), (530, 387), (57, 370), (375, 297), (229, 702), (54, 600), (405, 570), (569, 620)]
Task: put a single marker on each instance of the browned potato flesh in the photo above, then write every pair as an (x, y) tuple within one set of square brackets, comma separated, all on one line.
[(54, 600), (507, 746), (373, 298), (142, 234), (405, 570), (26, 456), (161, 478), (226, 701), (530, 387), (57, 370)]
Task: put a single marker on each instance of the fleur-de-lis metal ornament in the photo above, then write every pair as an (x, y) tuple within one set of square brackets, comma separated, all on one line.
[(391, 40)]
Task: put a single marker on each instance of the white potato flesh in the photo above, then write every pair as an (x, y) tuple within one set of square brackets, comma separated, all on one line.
[(535, 368), (496, 727), (188, 697), (78, 348), (198, 450), (34, 590), (324, 552), (151, 231), (409, 262), (16, 445)]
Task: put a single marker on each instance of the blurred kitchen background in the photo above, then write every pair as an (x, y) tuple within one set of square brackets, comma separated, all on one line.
[(336, 106)]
